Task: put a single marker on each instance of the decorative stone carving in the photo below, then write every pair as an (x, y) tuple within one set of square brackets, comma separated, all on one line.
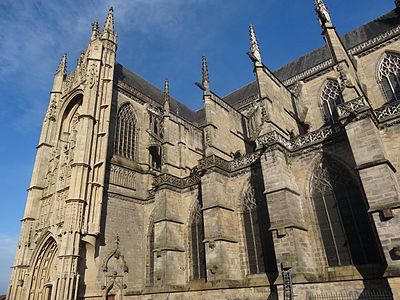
[(167, 179), (122, 177), (244, 161), (51, 113), (287, 285), (214, 161), (116, 253), (77, 76), (353, 107), (92, 75), (388, 111), (302, 141)]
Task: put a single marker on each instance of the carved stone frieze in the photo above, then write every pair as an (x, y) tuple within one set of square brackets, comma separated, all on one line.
[(171, 180), (122, 177), (244, 161), (229, 166), (214, 161), (272, 138), (388, 111), (301, 141), (315, 137), (353, 107)]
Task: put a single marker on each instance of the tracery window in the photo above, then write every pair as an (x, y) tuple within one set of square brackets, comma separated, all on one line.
[(197, 246), (126, 132), (253, 229), (331, 98), (347, 233), (389, 76)]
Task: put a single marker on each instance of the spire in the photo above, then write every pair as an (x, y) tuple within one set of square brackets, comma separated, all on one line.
[(323, 14), (62, 67), (166, 95), (109, 25), (205, 79), (108, 32), (254, 53)]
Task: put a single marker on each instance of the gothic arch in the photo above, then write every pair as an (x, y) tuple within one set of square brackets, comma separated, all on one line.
[(253, 234), (126, 132), (197, 258), (347, 232), (44, 269), (330, 97), (72, 103), (388, 75)]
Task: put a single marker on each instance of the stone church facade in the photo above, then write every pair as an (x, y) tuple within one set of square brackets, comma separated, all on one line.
[(287, 188)]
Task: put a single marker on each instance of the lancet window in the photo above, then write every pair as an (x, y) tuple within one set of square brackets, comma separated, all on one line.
[(125, 140), (389, 76), (197, 246), (253, 229), (331, 97), (347, 233)]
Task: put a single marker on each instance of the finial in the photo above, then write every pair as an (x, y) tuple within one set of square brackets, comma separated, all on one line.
[(166, 96), (62, 67), (323, 13), (166, 90), (95, 29), (254, 53), (205, 79), (109, 25)]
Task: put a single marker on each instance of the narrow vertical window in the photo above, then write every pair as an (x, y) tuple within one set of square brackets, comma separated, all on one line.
[(125, 133), (344, 222), (150, 266), (197, 237), (252, 230), (330, 99), (389, 76)]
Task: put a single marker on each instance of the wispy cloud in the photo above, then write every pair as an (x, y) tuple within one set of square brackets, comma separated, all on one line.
[(35, 34)]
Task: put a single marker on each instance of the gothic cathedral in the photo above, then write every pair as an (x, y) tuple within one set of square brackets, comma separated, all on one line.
[(287, 188)]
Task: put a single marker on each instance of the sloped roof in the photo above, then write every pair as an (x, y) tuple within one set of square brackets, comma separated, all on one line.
[(146, 88), (350, 40)]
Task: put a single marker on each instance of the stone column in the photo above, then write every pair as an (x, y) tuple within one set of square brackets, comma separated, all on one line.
[(291, 239), (220, 228), (380, 185)]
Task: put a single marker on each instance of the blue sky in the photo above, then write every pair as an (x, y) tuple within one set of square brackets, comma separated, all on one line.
[(156, 39)]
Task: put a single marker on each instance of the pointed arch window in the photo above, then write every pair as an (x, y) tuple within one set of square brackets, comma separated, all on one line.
[(389, 76), (347, 233), (253, 230), (197, 245), (125, 139), (331, 97)]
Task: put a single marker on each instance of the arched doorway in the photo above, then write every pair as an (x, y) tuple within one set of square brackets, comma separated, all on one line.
[(44, 271)]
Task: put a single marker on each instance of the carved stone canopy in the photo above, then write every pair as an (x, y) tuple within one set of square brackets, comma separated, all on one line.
[(115, 253)]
